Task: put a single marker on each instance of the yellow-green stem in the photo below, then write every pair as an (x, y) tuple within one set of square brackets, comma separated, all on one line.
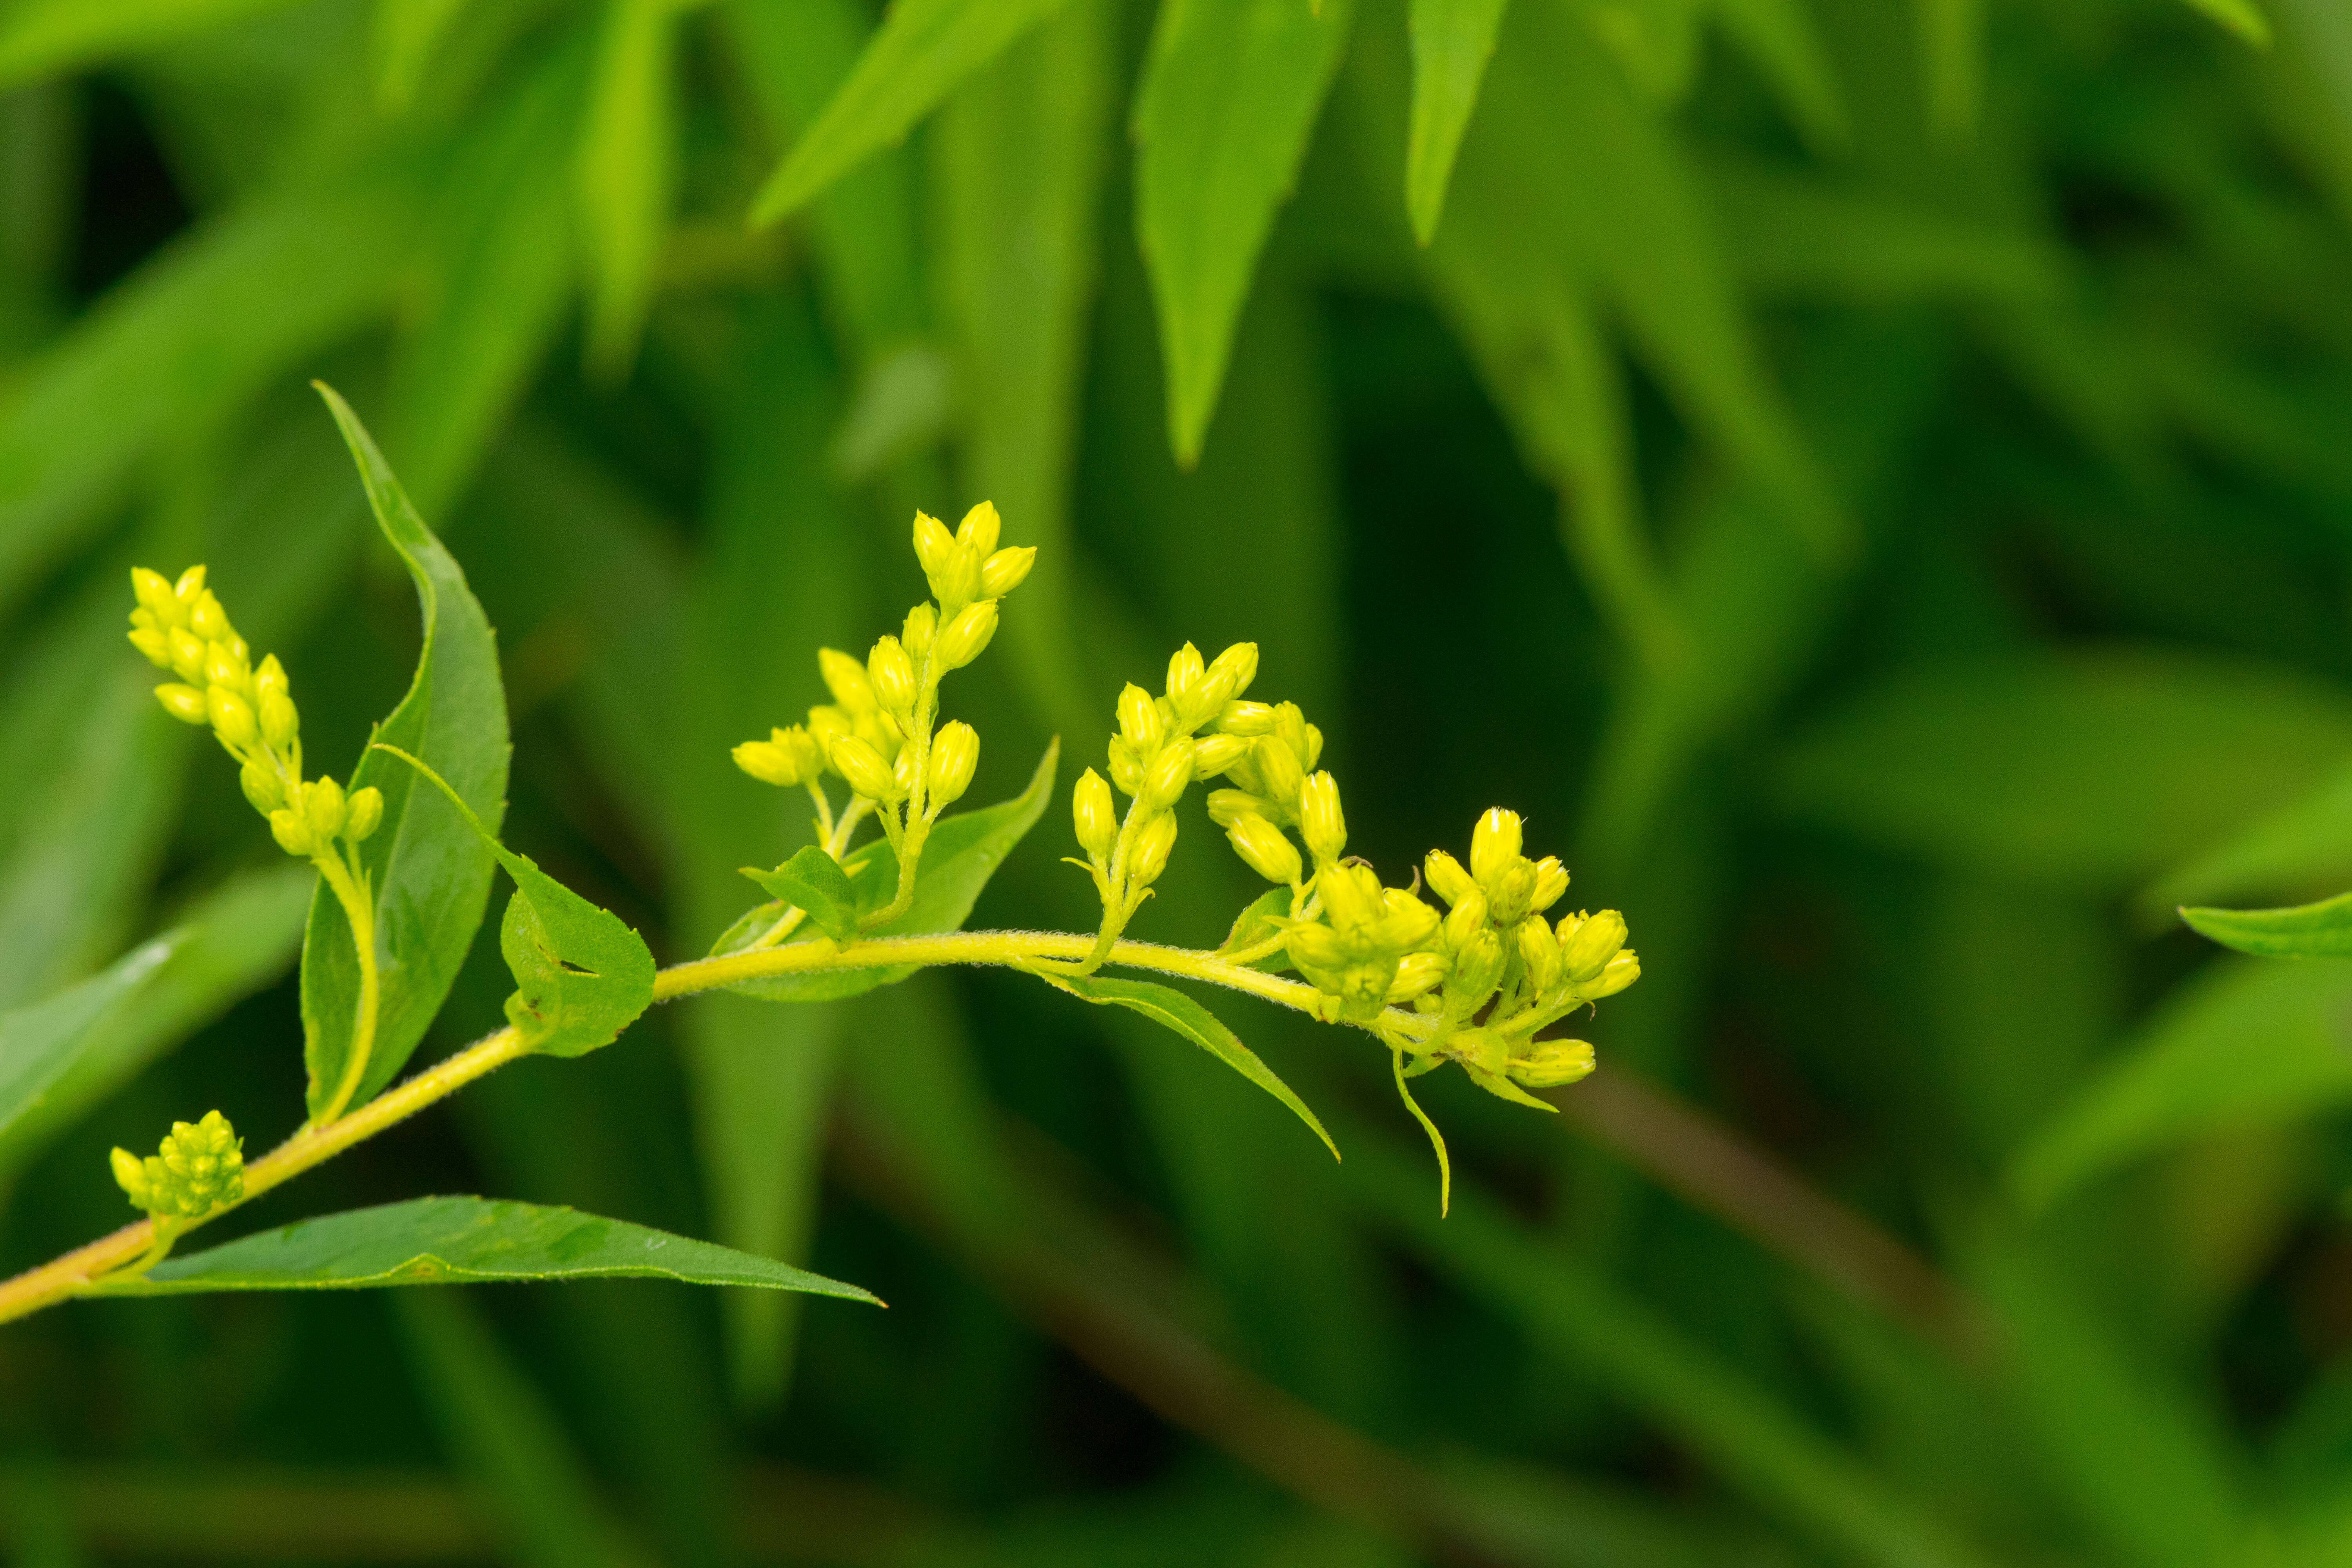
[(361, 915)]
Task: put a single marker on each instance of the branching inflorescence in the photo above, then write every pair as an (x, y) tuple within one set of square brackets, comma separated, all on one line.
[(1474, 980)]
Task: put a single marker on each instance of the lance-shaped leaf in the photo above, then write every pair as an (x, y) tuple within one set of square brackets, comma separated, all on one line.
[(1452, 40), (465, 1240), (39, 1043), (1172, 1009), (2323, 929), (964, 851), (427, 867), (584, 975), (814, 881)]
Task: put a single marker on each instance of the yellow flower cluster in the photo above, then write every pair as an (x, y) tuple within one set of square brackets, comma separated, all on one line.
[(199, 1166)]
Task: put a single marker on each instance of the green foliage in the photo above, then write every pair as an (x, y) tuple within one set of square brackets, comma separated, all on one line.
[(815, 881)]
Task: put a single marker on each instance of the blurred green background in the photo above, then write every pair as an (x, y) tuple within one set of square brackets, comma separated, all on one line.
[(1871, 482)]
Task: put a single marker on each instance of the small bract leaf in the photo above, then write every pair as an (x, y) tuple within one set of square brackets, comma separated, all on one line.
[(583, 974), (814, 881), (2323, 929), (463, 1240), (964, 851), (1172, 1009)]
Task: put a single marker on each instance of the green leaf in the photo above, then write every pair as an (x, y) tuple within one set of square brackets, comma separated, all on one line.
[(1785, 49), (2243, 1044), (584, 976), (1172, 1009), (1951, 63), (1452, 40), (1229, 96), (625, 175), (964, 851), (464, 1241), (2323, 929), (427, 866), (1255, 924), (923, 49), (814, 881), (52, 37), (2242, 17), (104, 1030), (2304, 847), (405, 35), (2092, 771)]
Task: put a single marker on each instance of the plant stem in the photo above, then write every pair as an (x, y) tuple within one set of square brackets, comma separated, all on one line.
[(361, 912), (317, 1141)]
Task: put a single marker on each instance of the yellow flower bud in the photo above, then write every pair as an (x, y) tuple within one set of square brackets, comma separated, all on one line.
[(1266, 849), (1363, 987), (191, 583), (262, 787), (1126, 767), (1290, 729), (892, 675), (768, 763), (1164, 780), (187, 655), (902, 771), (1351, 898), (1619, 972), (1447, 878), (200, 1164), (1539, 951), (1227, 807), (292, 831), (1149, 855), (271, 677), (921, 628), (1493, 842), (1315, 948), (324, 808), (1320, 822), (1406, 922), (153, 644), (1551, 881), (1094, 816), (976, 534), (1230, 675), (224, 667), (957, 583), (1314, 753), (857, 762), (845, 679), (1511, 891), (1552, 1063), (1417, 974), (1477, 970), (1277, 765), (828, 724), (365, 815), (1586, 947), (232, 717), (278, 721), (1007, 570), (1185, 668), (153, 592), (1139, 719), (1247, 719), (966, 636), (1468, 919), (1214, 753), (934, 545), (131, 1174), (184, 703), (208, 620), (955, 753)]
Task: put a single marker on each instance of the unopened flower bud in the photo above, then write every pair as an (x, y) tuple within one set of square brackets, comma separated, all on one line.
[(955, 753), (1363, 986), (892, 676), (366, 814), (1266, 849), (208, 620), (1094, 815), (184, 703), (1230, 675), (1185, 668), (1406, 922), (1319, 819), (1290, 729), (1417, 974), (1587, 946), (1493, 842), (767, 762), (324, 807), (934, 545), (1164, 780), (922, 626), (1247, 719), (1227, 807), (1510, 891), (292, 831), (957, 583), (966, 636), (847, 679), (131, 1174), (1214, 753), (1551, 881), (1447, 878), (200, 1164), (1139, 717), (1477, 970), (1148, 857), (190, 584), (223, 666), (1277, 768), (154, 644), (187, 654), (280, 722), (1315, 948), (1351, 898), (232, 717), (857, 762), (826, 724), (977, 532), (1552, 1063), (262, 787), (1126, 766), (1468, 919), (154, 592), (1619, 973), (1539, 951), (1005, 570)]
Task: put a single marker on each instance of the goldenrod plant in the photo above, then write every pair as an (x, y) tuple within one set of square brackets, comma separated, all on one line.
[(1473, 984)]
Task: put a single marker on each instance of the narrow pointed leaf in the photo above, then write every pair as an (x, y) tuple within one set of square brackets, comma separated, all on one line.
[(584, 975), (814, 881), (50, 37), (2323, 929), (428, 869), (964, 851), (39, 1043), (625, 174), (466, 1240), (2242, 17), (923, 49), (1256, 922), (1228, 99), (1172, 1009), (1451, 41)]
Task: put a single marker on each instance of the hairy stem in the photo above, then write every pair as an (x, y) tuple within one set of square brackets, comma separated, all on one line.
[(361, 912)]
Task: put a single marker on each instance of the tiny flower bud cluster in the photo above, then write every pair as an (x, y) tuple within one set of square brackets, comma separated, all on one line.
[(1272, 752), (181, 627), (1153, 759), (199, 1166)]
